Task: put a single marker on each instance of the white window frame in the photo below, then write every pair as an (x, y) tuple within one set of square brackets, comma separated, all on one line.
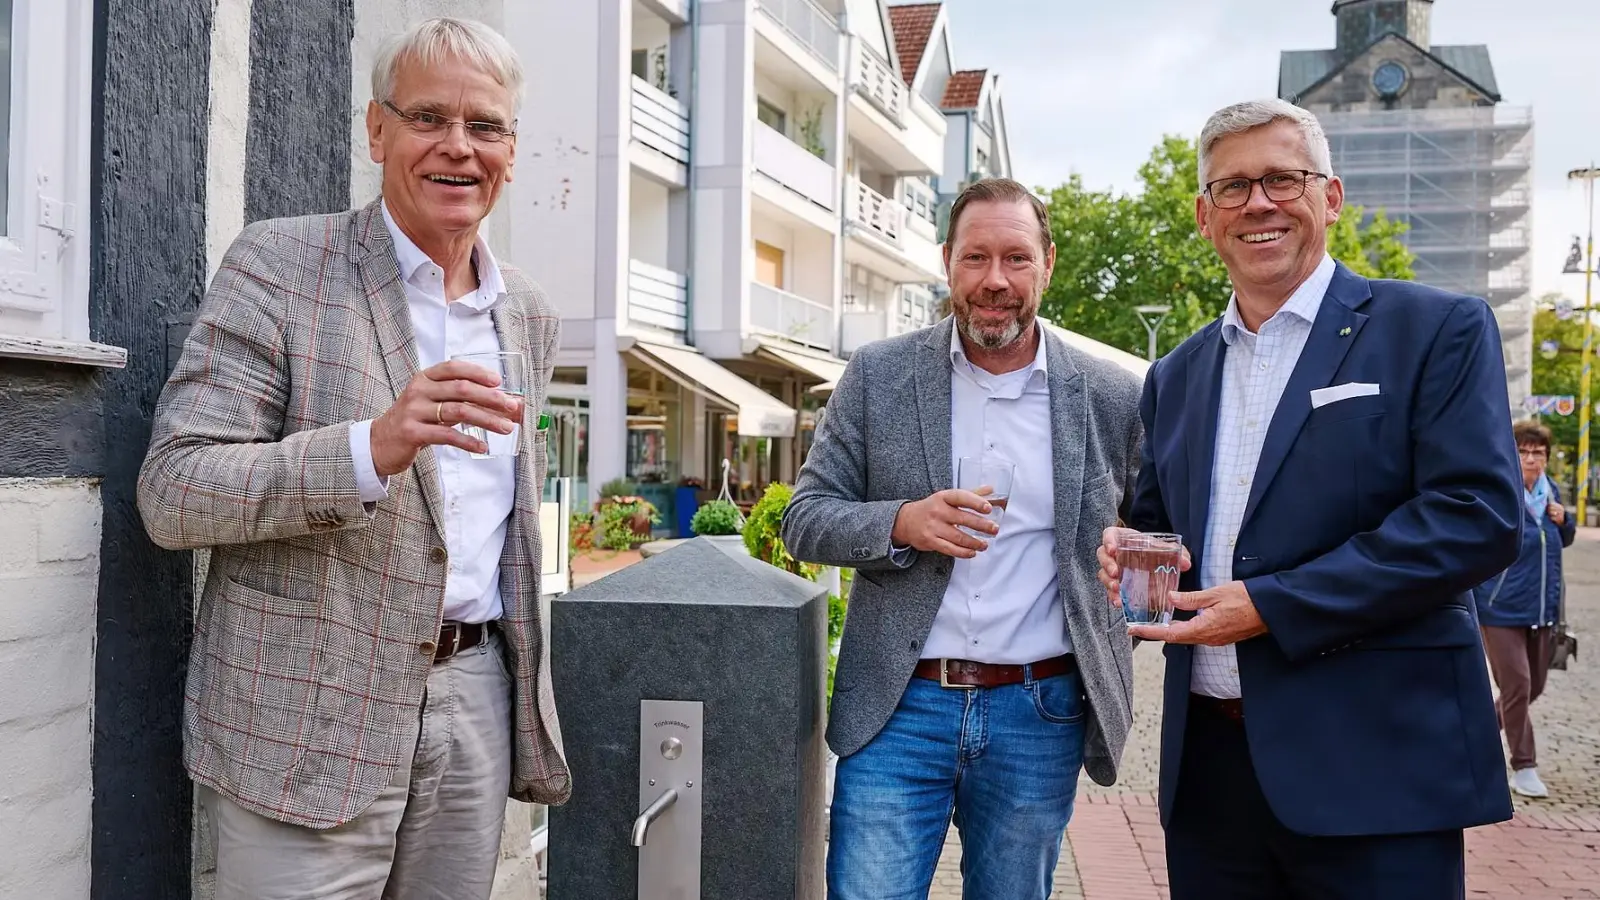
[(44, 252)]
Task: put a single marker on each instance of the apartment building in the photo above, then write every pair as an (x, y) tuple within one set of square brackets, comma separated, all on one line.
[(730, 197)]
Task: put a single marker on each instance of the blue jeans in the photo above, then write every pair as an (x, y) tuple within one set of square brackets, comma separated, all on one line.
[(1002, 761)]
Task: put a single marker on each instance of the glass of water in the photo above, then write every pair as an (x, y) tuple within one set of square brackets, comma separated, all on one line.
[(990, 477), (513, 381), (1149, 564)]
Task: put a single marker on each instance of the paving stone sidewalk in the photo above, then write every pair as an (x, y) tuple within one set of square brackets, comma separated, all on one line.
[(1549, 851)]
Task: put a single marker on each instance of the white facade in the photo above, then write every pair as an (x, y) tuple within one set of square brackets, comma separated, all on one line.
[(723, 202)]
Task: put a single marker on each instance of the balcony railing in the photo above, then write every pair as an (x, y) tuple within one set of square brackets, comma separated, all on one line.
[(875, 80), (810, 24), (793, 166), (922, 207), (657, 297), (660, 121), (874, 212), (875, 320), (791, 316)]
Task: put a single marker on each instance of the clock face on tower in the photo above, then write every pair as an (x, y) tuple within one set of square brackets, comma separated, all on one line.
[(1390, 79)]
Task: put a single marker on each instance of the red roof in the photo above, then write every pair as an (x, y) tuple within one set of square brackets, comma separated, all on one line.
[(964, 89), (913, 26)]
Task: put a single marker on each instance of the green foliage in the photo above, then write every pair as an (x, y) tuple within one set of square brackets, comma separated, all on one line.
[(837, 605), (719, 517), (619, 525), (1116, 252), (580, 533), (810, 128), (618, 487), (762, 532), (1561, 375)]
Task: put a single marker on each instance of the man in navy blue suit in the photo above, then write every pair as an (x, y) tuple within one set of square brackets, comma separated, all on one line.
[(1336, 454)]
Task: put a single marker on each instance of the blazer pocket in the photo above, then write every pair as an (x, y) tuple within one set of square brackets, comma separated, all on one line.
[(1347, 409), (261, 686), (1093, 484)]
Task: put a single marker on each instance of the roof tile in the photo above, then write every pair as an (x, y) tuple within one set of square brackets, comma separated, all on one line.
[(913, 27), (964, 89)]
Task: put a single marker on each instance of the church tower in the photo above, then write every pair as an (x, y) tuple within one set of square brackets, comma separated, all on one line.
[(1363, 21)]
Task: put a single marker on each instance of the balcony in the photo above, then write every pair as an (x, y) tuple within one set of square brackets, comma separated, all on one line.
[(660, 121), (790, 316), (794, 167), (875, 80), (812, 26), (915, 309), (922, 208), (657, 297), (883, 241)]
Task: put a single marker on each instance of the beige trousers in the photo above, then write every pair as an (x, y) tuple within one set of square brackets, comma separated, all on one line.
[(433, 834)]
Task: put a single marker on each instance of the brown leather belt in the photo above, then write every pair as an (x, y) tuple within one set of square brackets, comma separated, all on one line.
[(961, 673), (455, 637), (1232, 708)]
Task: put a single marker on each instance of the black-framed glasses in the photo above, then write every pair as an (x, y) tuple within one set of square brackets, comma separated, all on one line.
[(1533, 452), (434, 127), (1280, 187)]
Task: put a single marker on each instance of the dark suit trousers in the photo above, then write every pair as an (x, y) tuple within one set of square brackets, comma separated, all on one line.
[(1224, 843)]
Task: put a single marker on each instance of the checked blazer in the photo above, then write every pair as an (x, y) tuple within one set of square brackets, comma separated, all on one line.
[(313, 640)]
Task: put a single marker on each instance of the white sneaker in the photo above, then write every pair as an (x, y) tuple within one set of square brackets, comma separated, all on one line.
[(1526, 782)]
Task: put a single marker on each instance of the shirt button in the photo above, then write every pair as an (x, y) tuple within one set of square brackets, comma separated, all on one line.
[(1263, 367), (427, 648), (1243, 480), (437, 555)]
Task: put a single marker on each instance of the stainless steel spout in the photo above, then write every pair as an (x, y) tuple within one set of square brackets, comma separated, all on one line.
[(641, 825)]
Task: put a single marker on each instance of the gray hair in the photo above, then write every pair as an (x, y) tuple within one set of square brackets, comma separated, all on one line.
[(1242, 117), (433, 40)]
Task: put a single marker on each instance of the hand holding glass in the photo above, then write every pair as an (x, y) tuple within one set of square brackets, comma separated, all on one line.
[(509, 366), (990, 478), (1150, 565)]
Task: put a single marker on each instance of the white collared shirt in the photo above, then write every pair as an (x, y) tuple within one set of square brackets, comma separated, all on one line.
[(477, 493), (1255, 369), (1003, 606)]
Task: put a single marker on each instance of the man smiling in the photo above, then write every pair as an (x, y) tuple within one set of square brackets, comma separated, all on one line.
[(1335, 453), (368, 679)]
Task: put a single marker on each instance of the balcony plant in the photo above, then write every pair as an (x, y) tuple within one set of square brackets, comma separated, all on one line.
[(719, 518), (810, 128)]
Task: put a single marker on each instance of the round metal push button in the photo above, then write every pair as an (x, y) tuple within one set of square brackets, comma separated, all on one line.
[(427, 648), (437, 555)]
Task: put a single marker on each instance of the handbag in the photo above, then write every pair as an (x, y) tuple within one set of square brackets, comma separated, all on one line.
[(1564, 643)]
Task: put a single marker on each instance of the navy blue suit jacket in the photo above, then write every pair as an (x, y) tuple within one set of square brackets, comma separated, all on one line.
[(1367, 704)]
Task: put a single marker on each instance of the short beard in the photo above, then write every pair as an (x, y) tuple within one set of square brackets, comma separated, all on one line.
[(991, 339)]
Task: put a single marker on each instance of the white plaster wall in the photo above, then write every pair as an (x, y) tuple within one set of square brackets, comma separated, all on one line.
[(648, 216), (811, 269), (230, 119), (49, 573), (772, 233)]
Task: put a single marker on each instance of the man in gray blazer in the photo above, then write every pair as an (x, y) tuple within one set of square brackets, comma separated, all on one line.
[(976, 675)]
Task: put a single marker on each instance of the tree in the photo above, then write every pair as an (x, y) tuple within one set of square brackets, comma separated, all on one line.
[(1116, 252), (1560, 375)]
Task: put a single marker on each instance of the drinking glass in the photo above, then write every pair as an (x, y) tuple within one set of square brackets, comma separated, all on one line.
[(513, 381), (990, 477), (1149, 565)]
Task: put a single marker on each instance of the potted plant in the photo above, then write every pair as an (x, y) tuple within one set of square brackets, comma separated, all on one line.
[(718, 520)]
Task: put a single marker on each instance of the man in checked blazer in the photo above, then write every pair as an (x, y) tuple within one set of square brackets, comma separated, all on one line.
[(976, 677), (368, 680)]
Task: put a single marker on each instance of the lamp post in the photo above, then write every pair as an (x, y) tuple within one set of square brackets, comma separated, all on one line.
[(1588, 177), (1152, 317)]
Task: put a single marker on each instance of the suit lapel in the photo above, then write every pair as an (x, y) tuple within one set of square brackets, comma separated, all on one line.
[(1069, 417), (1334, 332), (391, 318), (933, 404), (1204, 403)]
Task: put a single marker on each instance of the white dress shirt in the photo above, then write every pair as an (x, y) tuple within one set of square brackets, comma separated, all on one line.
[(477, 493), (1256, 367), (1003, 606)]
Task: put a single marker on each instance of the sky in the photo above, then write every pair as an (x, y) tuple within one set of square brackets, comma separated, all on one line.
[(1090, 87)]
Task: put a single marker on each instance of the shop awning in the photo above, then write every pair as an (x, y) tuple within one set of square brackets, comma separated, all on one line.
[(1089, 345), (760, 414), (817, 365)]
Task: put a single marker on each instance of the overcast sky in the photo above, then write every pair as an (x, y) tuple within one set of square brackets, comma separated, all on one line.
[(1090, 86)]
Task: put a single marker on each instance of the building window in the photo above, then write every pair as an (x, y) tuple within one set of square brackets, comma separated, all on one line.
[(772, 117), (45, 88)]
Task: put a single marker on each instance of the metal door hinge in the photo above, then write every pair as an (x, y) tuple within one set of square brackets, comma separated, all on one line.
[(58, 216)]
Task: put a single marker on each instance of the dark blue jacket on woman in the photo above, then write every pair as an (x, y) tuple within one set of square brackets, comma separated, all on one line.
[(1529, 593)]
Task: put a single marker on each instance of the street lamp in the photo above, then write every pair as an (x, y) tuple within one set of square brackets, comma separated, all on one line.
[(1588, 177), (1152, 317)]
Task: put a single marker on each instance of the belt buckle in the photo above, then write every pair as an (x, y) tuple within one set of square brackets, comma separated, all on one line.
[(455, 640), (944, 678)]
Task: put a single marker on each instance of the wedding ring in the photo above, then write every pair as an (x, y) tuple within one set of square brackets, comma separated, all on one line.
[(438, 412)]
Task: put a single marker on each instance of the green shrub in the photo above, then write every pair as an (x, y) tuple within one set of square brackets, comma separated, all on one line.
[(763, 532), (719, 517), (616, 525), (618, 487)]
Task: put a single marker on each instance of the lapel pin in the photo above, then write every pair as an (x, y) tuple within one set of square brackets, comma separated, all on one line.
[(1345, 331)]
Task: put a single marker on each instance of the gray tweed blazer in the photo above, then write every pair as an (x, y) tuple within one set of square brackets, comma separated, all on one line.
[(885, 440)]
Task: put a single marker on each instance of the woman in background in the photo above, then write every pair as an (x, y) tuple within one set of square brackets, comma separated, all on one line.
[(1519, 608)]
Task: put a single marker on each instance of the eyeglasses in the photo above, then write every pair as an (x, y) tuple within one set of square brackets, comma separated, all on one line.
[(1533, 452), (1280, 187), (434, 127)]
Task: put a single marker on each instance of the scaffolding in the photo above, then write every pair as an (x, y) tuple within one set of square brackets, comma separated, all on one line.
[(1462, 180)]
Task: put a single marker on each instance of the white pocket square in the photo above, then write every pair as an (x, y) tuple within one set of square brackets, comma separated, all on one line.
[(1323, 396)]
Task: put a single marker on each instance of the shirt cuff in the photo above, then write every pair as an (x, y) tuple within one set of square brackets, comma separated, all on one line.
[(901, 556), (371, 487)]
